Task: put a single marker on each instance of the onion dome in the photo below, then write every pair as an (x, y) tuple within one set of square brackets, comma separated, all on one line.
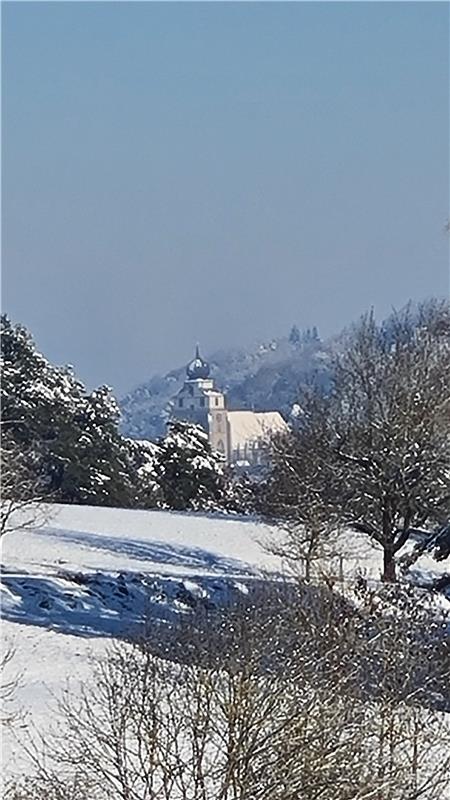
[(198, 367)]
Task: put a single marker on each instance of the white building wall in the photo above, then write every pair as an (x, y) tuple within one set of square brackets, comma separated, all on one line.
[(241, 436)]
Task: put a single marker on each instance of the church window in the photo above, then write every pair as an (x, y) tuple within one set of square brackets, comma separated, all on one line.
[(191, 391), (217, 401), (220, 446), (202, 402)]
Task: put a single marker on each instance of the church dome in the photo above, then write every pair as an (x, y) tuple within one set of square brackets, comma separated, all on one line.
[(198, 367)]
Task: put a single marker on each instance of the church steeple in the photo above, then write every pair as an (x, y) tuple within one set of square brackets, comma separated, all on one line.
[(198, 368)]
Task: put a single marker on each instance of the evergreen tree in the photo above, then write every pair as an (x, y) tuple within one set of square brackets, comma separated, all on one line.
[(69, 442), (143, 458), (294, 336), (69, 436), (190, 475)]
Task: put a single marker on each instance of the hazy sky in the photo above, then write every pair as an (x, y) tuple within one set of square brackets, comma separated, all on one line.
[(217, 171)]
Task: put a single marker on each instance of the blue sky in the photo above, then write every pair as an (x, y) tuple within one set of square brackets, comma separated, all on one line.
[(216, 172)]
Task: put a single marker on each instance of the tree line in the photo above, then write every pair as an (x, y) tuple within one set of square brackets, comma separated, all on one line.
[(368, 453), (372, 453), (305, 689), (61, 443)]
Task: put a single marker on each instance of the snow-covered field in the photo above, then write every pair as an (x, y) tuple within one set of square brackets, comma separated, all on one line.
[(97, 571), (92, 573)]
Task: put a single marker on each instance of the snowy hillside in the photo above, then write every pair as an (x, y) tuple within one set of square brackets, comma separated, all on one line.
[(98, 571), (91, 573), (264, 378)]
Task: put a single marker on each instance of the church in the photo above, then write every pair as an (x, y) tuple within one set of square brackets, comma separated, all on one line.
[(241, 436)]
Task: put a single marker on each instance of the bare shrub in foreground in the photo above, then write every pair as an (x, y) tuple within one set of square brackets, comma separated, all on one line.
[(269, 704), (9, 683), (46, 787)]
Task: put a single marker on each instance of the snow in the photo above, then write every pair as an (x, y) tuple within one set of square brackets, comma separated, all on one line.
[(248, 426), (91, 573), (45, 662), (87, 574), (78, 560)]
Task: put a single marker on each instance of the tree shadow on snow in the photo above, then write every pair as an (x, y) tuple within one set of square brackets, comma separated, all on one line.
[(154, 552), (105, 604)]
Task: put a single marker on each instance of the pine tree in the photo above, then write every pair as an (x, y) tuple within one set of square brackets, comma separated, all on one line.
[(69, 436), (69, 441), (190, 475), (294, 336)]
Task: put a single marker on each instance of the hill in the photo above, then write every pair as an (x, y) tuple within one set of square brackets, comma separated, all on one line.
[(88, 574), (267, 377)]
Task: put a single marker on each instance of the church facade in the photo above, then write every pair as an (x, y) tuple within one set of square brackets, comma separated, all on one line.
[(241, 436)]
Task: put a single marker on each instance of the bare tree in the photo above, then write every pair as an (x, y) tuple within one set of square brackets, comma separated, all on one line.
[(23, 491), (374, 455), (10, 714), (297, 496)]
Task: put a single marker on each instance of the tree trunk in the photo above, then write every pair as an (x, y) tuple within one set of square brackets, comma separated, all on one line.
[(389, 575), (388, 544)]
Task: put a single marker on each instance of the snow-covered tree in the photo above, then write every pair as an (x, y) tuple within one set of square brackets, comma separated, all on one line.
[(143, 458), (189, 473), (64, 434), (70, 440), (294, 336), (23, 489), (375, 454)]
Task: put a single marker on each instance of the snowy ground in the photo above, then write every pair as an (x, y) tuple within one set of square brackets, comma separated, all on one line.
[(92, 573), (96, 572)]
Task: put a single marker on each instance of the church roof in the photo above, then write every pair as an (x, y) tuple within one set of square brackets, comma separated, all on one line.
[(247, 426)]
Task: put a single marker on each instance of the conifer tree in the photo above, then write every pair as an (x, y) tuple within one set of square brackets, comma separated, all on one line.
[(189, 473), (294, 336), (69, 436)]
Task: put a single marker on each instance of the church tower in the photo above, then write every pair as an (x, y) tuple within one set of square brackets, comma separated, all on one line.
[(198, 401)]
